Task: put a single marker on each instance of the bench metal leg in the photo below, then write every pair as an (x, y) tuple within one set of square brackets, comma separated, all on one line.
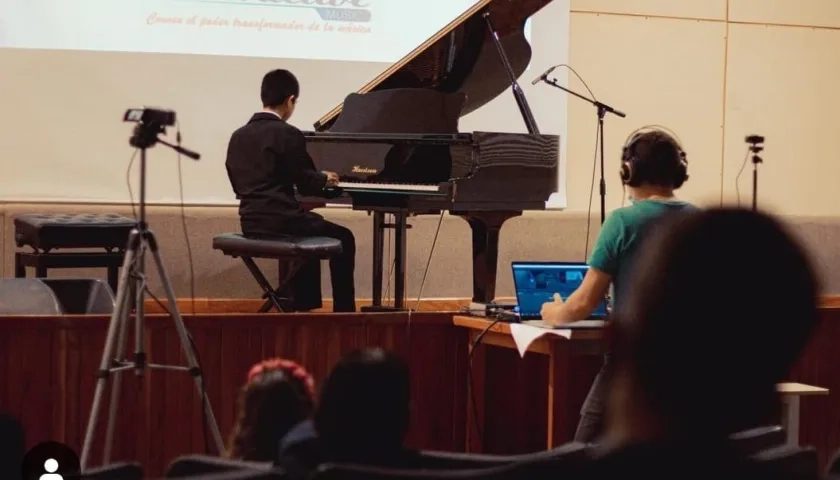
[(40, 269), (20, 268), (114, 278), (268, 291), (285, 276)]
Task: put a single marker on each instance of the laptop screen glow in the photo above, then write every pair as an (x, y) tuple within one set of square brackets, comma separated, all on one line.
[(536, 283)]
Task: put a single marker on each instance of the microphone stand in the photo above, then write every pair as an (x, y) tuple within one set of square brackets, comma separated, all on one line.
[(602, 110)]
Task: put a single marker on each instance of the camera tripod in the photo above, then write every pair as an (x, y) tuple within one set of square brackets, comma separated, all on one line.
[(132, 283)]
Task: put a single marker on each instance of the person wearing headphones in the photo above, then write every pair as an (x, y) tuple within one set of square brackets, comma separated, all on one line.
[(653, 165)]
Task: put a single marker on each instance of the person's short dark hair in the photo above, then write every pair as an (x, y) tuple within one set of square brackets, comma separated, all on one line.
[(721, 305), (653, 157), (364, 405), (277, 87)]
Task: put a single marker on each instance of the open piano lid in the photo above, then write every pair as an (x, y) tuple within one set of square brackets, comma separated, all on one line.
[(461, 58)]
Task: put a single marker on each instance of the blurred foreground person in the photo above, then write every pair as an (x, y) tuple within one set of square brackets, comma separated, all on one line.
[(723, 300)]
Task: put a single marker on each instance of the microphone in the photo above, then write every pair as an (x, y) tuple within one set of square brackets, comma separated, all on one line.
[(544, 74)]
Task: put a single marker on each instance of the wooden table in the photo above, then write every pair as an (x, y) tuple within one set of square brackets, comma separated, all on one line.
[(563, 414), (791, 394)]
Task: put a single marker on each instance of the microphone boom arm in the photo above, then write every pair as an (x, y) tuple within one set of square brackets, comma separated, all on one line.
[(602, 110), (601, 106)]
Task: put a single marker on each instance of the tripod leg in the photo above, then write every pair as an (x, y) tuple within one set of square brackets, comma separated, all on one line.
[(140, 309), (117, 318), (116, 383), (186, 346)]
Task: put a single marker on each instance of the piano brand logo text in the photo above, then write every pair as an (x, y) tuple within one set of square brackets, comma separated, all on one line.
[(357, 11), (361, 169)]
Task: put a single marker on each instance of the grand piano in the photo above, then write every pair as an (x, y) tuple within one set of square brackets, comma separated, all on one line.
[(396, 146)]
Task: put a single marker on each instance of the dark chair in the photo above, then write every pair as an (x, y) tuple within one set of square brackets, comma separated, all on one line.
[(757, 439), (12, 442), (117, 471), (790, 461), (452, 460), (274, 474), (290, 252), (562, 460), (193, 465), (834, 465), (358, 472), (82, 296), (27, 296)]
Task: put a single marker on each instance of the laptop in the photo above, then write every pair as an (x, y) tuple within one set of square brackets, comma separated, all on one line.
[(537, 282)]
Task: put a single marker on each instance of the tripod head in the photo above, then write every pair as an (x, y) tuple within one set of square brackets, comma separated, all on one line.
[(152, 122), (756, 146), (145, 135)]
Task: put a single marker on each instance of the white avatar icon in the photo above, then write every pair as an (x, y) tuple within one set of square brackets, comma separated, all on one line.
[(51, 465)]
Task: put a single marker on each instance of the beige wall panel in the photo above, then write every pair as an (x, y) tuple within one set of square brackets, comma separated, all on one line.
[(707, 9), (783, 84), (660, 71), (824, 13)]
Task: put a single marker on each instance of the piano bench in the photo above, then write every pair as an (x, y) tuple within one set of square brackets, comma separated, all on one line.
[(102, 239), (290, 252)]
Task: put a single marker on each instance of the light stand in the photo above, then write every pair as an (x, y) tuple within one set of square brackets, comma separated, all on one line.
[(133, 279), (602, 110), (756, 143)]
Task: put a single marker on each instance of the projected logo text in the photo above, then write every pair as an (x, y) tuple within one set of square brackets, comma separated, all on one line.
[(329, 10)]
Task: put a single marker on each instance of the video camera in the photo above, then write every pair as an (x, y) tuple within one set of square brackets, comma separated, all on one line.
[(150, 116)]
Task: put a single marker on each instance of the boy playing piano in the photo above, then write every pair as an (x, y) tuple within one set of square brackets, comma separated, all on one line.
[(266, 160)]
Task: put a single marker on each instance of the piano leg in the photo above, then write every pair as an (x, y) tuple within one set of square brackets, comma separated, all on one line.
[(378, 254), (400, 227), (400, 235), (485, 250)]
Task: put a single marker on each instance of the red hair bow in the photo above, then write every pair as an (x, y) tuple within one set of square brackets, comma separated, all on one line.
[(295, 369)]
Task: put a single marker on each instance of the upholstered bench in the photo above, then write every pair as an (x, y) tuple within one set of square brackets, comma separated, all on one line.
[(45, 232), (290, 252)]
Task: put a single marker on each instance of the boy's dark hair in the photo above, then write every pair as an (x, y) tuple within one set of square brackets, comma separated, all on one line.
[(722, 300), (277, 87)]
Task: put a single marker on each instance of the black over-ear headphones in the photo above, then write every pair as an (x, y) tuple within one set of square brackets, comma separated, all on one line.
[(634, 173)]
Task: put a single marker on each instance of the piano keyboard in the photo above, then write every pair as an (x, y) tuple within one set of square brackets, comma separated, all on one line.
[(389, 187)]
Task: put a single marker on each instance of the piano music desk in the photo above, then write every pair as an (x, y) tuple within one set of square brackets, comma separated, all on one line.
[(567, 384)]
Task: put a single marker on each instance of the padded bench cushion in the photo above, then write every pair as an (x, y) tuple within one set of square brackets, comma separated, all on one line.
[(236, 245), (45, 231)]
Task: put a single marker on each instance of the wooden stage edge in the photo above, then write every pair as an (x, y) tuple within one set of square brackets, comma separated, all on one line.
[(48, 371), (251, 305)]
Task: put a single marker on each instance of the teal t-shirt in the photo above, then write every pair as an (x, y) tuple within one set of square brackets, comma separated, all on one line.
[(621, 234)]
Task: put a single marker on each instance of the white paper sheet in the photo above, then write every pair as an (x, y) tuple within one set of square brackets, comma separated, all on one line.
[(524, 335)]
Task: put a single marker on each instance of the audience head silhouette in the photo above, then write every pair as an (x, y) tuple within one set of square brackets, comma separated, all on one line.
[(721, 305), (364, 406), (278, 395)]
